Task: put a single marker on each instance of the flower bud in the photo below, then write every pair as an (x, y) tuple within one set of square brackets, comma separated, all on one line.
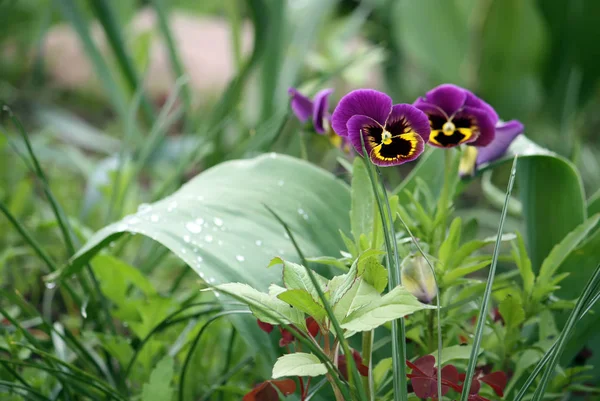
[(418, 278)]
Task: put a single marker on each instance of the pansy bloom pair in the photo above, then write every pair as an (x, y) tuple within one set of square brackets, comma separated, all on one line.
[(446, 117)]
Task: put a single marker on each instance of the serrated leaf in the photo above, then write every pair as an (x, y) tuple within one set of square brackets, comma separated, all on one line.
[(304, 302), (450, 244), (465, 250), (295, 277), (158, 387), (373, 272), (511, 309), (298, 364), (453, 275), (524, 264), (260, 302), (393, 305)]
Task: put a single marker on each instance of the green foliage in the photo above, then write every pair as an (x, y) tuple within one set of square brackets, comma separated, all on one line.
[(158, 387), (298, 364)]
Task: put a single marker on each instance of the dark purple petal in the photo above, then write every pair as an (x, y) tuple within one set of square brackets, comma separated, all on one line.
[(357, 126), (428, 108), (365, 102), (301, 105), (485, 125), (474, 101), (450, 98), (414, 120), (321, 110), (505, 134)]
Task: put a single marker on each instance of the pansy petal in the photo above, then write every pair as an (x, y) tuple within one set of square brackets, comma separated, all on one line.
[(482, 125), (360, 125), (366, 102), (505, 134), (411, 119), (474, 101), (321, 110), (497, 381), (450, 98), (301, 105)]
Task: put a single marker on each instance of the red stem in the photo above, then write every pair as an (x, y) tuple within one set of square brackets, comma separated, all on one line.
[(302, 397)]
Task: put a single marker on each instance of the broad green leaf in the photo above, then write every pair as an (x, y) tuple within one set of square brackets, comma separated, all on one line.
[(116, 277), (593, 204), (304, 302), (365, 294), (261, 304), (362, 212), (298, 364), (393, 305), (539, 173), (381, 370), (455, 352), (562, 250), (158, 387), (217, 223), (511, 309)]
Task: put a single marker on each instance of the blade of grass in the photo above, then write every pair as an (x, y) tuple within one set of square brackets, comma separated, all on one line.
[(178, 69), (226, 376), (12, 387), (488, 291), (72, 12), (105, 15)]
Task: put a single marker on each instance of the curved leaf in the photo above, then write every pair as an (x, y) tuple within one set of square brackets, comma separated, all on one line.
[(218, 225)]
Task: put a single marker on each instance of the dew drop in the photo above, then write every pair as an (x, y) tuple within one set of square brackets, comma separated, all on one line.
[(171, 206), (193, 227), (280, 183), (199, 221), (211, 280), (281, 252), (273, 155), (144, 207), (186, 238), (258, 242), (208, 238), (195, 250), (200, 197), (154, 218), (199, 259), (50, 285), (301, 211), (220, 243), (240, 258), (201, 275), (84, 311), (218, 222), (286, 235), (183, 251)]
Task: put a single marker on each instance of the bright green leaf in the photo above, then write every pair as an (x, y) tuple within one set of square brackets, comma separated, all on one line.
[(298, 364), (304, 302), (158, 387), (455, 352), (362, 212), (511, 309)]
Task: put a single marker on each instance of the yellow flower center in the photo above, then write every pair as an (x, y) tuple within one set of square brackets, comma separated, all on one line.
[(386, 137), (448, 128)]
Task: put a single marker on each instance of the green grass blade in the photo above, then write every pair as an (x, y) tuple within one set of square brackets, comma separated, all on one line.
[(176, 64), (105, 14), (488, 291), (72, 12)]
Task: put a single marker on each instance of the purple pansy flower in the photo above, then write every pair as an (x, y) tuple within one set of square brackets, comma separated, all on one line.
[(393, 134), (318, 108), (457, 116), (475, 156)]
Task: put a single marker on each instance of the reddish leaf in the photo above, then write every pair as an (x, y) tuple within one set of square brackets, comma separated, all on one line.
[(286, 337), (286, 386), (497, 381), (266, 391)]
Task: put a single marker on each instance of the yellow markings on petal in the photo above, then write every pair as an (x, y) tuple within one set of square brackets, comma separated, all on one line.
[(397, 147), (386, 137), (456, 137), (467, 161)]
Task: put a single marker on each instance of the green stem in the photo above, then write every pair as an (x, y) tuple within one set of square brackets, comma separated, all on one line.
[(398, 329), (303, 151), (445, 199), (367, 348)]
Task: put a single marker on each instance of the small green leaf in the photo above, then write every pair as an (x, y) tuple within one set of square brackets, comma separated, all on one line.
[(298, 364), (563, 249), (381, 370), (373, 272), (524, 264), (450, 277), (158, 387), (304, 302), (450, 244), (260, 302), (511, 309), (455, 352), (393, 305)]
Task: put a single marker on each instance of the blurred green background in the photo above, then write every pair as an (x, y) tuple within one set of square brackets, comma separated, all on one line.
[(126, 100)]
